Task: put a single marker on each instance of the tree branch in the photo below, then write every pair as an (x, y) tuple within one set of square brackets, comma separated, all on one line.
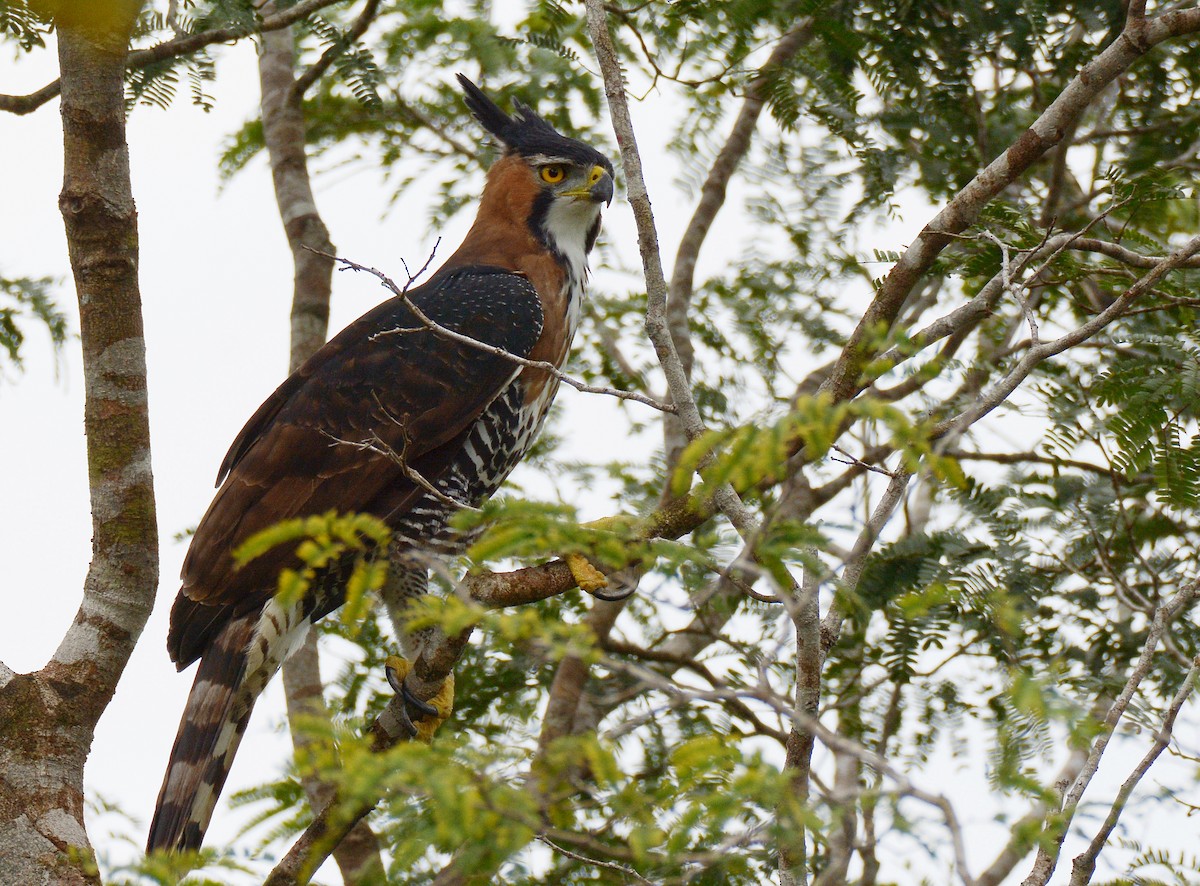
[(177, 46), (657, 324), (284, 125), (1084, 864), (50, 716), (314, 73), (1056, 831), (1138, 38), (1125, 255)]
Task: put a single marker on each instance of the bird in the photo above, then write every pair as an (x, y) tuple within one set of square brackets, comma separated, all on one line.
[(394, 418)]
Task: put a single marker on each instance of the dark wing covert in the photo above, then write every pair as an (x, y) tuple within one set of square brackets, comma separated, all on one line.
[(413, 391)]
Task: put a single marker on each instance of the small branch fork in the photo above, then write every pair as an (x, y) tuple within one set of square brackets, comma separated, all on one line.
[(1013, 289), (378, 445), (438, 329), (1084, 864)]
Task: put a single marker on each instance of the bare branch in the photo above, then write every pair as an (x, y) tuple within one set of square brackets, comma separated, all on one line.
[(1084, 864), (624, 870), (1048, 854), (1020, 458), (1125, 255), (657, 324), (831, 625), (1007, 282)]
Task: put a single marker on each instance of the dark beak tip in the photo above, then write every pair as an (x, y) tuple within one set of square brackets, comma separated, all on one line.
[(602, 191)]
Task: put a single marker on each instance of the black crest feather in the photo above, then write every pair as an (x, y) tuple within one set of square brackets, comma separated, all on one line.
[(525, 132)]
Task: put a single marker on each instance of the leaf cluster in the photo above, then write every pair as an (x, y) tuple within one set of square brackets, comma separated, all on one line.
[(23, 299)]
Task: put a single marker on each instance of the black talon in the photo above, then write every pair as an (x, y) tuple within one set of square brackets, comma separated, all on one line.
[(421, 708), (393, 679), (622, 585), (615, 596)]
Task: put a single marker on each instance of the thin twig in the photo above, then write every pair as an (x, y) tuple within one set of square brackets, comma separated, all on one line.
[(437, 328), (611, 865), (999, 392), (855, 460), (380, 446), (1007, 281), (855, 563)]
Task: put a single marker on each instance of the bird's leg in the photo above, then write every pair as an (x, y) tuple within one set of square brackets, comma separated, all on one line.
[(405, 584)]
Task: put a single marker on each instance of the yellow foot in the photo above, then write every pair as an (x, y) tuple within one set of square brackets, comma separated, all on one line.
[(424, 717), (587, 576), (618, 585)]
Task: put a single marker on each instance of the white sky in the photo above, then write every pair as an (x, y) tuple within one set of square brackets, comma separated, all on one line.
[(216, 284)]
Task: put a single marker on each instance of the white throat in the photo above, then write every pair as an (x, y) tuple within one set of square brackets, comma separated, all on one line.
[(567, 225)]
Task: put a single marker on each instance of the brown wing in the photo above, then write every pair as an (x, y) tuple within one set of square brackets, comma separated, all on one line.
[(415, 391)]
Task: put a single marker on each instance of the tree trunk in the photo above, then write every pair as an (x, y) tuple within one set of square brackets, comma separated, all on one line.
[(357, 856), (47, 718)]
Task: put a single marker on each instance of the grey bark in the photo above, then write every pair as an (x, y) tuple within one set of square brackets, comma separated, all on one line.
[(357, 856), (47, 718)]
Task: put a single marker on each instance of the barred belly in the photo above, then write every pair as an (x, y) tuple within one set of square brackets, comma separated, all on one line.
[(492, 447)]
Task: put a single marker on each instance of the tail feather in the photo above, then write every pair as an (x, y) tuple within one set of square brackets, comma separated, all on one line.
[(235, 668), (218, 709)]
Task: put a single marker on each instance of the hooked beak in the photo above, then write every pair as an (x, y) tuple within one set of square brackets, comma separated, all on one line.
[(602, 191), (599, 188)]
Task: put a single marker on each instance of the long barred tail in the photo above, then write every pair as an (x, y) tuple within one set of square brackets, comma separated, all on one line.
[(213, 722), (232, 673)]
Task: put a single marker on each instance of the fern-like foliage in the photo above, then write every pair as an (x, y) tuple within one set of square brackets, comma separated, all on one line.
[(22, 25), (23, 299), (1153, 392), (353, 62)]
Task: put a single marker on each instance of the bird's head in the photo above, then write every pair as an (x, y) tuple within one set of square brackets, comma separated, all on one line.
[(564, 180)]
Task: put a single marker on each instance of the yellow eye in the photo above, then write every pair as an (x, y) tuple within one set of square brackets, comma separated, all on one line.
[(552, 175)]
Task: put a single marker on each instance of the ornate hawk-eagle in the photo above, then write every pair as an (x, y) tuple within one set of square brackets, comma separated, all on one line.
[(462, 416)]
